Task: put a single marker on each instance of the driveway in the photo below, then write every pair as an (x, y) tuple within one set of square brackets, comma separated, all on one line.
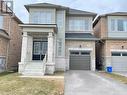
[(91, 83)]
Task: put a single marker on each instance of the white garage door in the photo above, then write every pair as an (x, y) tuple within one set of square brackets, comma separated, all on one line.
[(119, 61)]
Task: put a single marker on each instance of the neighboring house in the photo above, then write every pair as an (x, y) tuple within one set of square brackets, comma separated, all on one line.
[(112, 48), (57, 38), (10, 41)]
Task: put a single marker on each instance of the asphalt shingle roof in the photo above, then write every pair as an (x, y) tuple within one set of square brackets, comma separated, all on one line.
[(80, 36)]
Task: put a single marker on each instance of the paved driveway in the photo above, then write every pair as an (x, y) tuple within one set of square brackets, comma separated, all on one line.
[(91, 83)]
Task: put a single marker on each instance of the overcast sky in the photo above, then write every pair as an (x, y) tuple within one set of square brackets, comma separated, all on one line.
[(97, 6)]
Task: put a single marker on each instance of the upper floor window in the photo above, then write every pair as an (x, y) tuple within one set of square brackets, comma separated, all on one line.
[(118, 25), (41, 17), (78, 25), (1, 22), (113, 25)]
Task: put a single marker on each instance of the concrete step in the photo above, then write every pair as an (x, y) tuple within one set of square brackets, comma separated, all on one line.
[(34, 69), (33, 73)]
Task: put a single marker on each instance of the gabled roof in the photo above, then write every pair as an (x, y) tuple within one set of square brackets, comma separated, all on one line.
[(109, 14), (80, 36), (70, 11), (115, 14), (80, 12)]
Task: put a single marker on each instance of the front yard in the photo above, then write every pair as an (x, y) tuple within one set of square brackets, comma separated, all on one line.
[(12, 84), (117, 77)]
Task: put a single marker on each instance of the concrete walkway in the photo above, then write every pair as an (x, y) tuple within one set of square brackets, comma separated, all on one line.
[(90, 83)]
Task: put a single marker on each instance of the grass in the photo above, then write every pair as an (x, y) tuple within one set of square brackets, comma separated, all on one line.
[(117, 77), (12, 84)]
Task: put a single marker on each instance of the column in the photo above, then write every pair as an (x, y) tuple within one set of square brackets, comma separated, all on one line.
[(24, 47), (50, 66), (50, 48), (23, 53)]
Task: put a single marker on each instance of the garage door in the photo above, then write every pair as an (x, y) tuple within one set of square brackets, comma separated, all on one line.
[(2, 64), (119, 61), (79, 60)]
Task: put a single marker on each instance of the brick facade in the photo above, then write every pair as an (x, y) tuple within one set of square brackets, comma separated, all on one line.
[(105, 46), (84, 45), (11, 48)]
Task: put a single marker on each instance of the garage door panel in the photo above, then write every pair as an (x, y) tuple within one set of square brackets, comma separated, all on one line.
[(119, 63), (79, 62)]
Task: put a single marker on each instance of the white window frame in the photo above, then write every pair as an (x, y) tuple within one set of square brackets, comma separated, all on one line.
[(1, 21), (79, 24), (59, 47), (116, 24), (41, 17)]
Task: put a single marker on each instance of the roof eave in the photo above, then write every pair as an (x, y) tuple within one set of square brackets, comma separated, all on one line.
[(88, 39), (57, 7)]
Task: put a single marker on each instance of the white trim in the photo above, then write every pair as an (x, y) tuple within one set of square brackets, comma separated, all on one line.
[(81, 49), (118, 50), (2, 56), (38, 25)]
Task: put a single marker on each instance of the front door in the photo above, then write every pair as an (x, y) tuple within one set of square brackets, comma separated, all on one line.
[(39, 50)]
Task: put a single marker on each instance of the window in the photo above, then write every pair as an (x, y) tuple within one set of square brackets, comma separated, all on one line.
[(1, 22), (78, 25), (120, 25), (116, 54), (113, 24), (59, 47), (41, 17), (74, 53), (36, 48), (60, 19), (124, 54), (87, 25), (85, 53)]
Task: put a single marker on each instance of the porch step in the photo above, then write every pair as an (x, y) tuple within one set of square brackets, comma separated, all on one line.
[(33, 74), (34, 69)]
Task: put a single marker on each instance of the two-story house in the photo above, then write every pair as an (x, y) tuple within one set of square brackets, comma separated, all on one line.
[(112, 48), (10, 39), (57, 38)]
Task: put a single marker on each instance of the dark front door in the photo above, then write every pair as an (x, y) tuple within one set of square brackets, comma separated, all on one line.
[(39, 50)]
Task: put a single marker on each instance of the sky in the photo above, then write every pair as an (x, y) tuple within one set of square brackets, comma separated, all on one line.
[(96, 6)]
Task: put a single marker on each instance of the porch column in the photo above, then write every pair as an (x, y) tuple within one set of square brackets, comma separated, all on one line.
[(24, 47), (23, 53), (50, 48), (50, 67)]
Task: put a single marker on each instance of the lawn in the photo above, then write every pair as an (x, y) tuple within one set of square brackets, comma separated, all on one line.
[(116, 77), (12, 84)]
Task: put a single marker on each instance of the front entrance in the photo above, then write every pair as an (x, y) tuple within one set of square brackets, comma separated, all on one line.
[(39, 50), (79, 60)]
